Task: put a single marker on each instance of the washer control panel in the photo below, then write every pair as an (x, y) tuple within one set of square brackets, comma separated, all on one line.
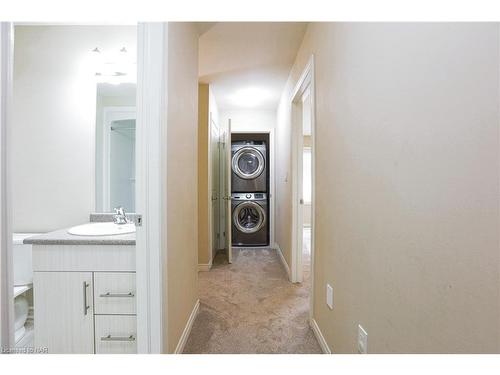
[(249, 196)]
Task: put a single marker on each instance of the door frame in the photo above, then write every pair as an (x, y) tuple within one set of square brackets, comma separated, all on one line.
[(228, 191), (6, 263), (306, 81), (110, 114), (151, 183), (210, 193), (272, 182)]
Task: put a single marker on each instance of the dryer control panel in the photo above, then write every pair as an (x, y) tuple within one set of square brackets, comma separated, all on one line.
[(249, 196)]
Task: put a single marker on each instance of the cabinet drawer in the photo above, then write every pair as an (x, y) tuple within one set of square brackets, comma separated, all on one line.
[(115, 334), (114, 293)]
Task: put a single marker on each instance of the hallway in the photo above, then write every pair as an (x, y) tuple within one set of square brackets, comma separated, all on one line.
[(249, 306)]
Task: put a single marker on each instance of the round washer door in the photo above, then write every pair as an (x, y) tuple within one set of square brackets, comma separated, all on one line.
[(249, 217), (248, 163)]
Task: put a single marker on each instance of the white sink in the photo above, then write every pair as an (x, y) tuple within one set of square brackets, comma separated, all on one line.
[(101, 229)]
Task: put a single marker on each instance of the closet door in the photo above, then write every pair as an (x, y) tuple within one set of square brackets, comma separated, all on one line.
[(214, 172), (64, 313)]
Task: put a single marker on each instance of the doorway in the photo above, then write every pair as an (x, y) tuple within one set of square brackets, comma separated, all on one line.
[(306, 185), (148, 145), (240, 217), (302, 108)]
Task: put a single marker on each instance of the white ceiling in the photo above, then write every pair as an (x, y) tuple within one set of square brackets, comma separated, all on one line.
[(247, 63)]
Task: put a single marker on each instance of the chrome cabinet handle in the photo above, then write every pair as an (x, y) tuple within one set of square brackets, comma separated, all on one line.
[(85, 306), (118, 338), (108, 294)]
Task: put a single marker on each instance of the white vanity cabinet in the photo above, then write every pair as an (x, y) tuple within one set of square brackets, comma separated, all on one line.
[(85, 298)]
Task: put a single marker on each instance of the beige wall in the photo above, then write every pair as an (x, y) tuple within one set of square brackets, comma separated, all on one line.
[(203, 203), (182, 171), (282, 175), (54, 116), (407, 184)]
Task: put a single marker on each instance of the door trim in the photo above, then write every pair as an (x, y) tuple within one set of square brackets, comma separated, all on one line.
[(151, 143), (6, 264), (305, 81), (227, 186)]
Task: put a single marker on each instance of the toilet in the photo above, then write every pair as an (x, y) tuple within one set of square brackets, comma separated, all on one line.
[(23, 269), (23, 282)]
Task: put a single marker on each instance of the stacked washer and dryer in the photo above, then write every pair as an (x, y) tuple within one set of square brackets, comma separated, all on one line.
[(249, 185)]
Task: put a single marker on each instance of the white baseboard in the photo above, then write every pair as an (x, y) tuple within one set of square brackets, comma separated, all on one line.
[(283, 261), (204, 267), (187, 329), (319, 337)]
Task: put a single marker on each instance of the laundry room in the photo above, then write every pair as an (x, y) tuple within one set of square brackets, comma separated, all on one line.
[(236, 168), (250, 189), (241, 75)]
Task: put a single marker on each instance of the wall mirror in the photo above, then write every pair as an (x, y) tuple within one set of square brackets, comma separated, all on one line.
[(115, 146)]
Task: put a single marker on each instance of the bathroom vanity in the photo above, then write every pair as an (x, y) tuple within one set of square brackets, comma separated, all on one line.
[(84, 293)]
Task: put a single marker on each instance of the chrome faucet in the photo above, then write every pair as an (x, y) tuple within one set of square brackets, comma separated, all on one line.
[(120, 217)]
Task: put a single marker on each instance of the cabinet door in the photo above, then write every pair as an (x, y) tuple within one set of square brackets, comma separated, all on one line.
[(64, 312)]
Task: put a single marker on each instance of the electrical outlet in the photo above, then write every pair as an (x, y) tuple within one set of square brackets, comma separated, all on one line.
[(362, 340), (329, 296)]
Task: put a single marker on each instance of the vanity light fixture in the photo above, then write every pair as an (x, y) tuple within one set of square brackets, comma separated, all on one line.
[(114, 67)]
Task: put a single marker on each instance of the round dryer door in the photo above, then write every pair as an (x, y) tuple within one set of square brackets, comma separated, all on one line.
[(249, 217), (248, 163)]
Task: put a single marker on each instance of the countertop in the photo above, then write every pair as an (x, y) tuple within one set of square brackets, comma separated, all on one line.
[(62, 237)]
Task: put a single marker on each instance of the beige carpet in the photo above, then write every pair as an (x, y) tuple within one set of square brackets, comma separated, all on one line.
[(249, 306)]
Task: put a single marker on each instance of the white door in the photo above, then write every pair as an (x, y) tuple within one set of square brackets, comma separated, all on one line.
[(227, 181), (222, 188), (64, 314)]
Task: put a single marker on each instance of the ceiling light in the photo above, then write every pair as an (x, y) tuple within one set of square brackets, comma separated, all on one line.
[(250, 97)]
